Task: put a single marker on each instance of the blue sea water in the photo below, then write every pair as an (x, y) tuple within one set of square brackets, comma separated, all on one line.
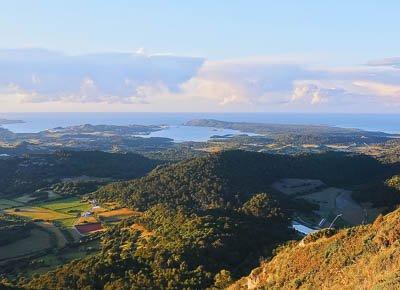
[(35, 122)]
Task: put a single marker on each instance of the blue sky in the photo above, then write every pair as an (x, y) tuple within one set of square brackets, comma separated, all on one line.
[(217, 55), (342, 30)]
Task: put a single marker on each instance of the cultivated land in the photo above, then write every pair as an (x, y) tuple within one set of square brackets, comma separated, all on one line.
[(65, 211), (332, 201), (37, 241), (51, 260), (7, 203), (26, 198), (37, 213), (61, 241), (226, 243), (67, 205), (53, 229)]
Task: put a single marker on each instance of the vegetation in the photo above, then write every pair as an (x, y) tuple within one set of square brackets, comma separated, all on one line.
[(207, 221), (65, 211), (76, 187), (13, 228), (229, 178), (299, 134), (34, 171), (199, 252), (363, 257)]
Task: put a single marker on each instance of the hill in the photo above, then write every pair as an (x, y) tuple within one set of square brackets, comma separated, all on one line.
[(230, 178), (300, 134), (363, 257), (173, 249), (34, 171), (204, 222)]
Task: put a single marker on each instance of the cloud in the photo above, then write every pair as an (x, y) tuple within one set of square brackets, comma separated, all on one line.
[(390, 93), (390, 61), (43, 75), (291, 86), (163, 82)]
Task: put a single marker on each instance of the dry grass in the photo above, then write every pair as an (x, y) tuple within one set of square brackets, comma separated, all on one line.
[(85, 220), (118, 213), (362, 257), (144, 232), (38, 213)]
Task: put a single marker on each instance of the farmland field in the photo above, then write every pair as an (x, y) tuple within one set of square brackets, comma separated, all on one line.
[(26, 198), (51, 261), (65, 211), (38, 213), (61, 240), (65, 205), (7, 203), (68, 222), (37, 241)]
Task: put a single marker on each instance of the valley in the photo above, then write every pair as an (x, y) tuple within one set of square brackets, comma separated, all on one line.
[(209, 216)]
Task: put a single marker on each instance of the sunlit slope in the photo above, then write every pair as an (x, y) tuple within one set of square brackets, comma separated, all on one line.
[(363, 257)]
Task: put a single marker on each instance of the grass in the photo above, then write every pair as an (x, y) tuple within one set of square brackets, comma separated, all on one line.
[(38, 240), (117, 214), (63, 205), (59, 236), (51, 261), (89, 219), (67, 211), (6, 203), (38, 213), (64, 211), (25, 198), (362, 257), (67, 222)]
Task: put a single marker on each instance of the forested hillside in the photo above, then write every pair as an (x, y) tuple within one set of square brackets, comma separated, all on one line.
[(208, 221), (231, 177), (26, 174), (172, 249)]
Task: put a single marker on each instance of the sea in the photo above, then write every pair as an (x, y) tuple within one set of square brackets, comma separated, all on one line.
[(36, 122)]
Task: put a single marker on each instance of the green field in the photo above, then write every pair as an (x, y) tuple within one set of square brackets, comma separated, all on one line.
[(51, 261), (7, 203), (63, 205), (39, 240), (38, 213), (68, 222), (65, 211)]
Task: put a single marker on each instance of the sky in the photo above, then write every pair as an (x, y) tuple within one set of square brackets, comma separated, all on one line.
[(272, 56)]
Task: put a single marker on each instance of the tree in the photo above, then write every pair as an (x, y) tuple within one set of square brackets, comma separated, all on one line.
[(262, 205), (223, 279)]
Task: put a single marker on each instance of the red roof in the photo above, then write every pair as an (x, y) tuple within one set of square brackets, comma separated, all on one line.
[(88, 228)]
